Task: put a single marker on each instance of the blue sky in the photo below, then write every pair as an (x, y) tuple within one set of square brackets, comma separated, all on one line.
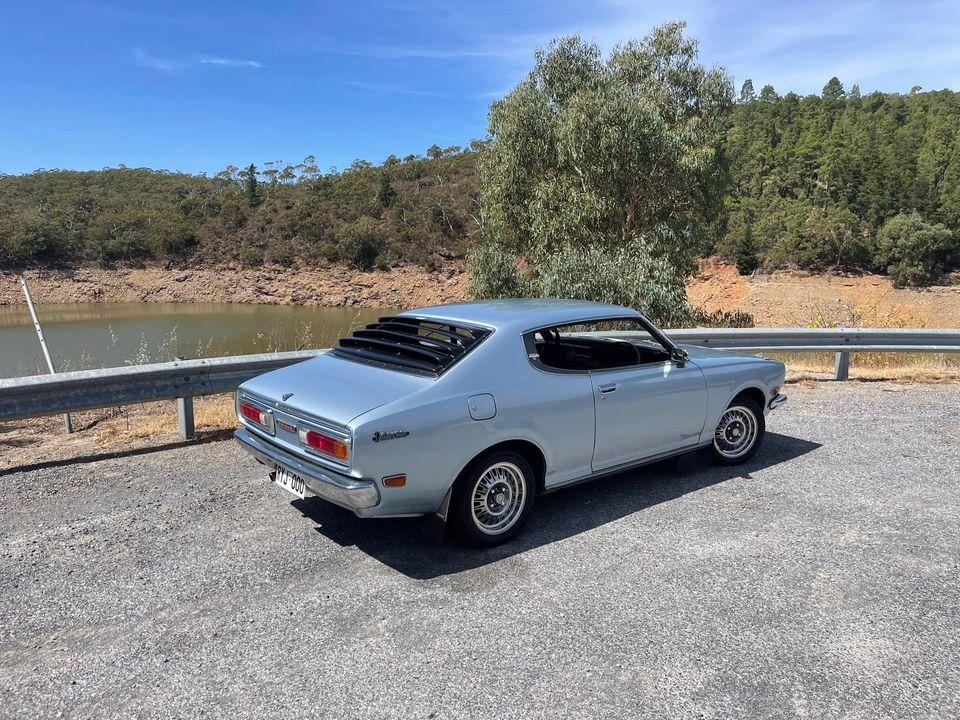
[(196, 86)]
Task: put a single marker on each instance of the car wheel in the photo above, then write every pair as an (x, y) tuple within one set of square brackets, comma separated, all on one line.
[(493, 498), (739, 432)]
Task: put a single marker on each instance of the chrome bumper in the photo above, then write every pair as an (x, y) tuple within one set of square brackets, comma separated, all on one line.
[(344, 491), (777, 401)]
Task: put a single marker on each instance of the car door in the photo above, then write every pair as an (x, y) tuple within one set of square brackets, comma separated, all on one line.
[(646, 410)]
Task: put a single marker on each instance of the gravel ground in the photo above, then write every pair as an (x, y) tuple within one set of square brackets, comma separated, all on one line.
[(819, 580)]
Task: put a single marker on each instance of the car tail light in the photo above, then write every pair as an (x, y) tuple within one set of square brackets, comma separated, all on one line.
[(256, 415), (324, 443)]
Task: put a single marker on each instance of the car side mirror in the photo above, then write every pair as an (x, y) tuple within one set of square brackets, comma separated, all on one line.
[(679, 356)]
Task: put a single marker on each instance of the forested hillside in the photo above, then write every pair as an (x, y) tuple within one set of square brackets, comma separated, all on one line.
[(416, 209), (814, 181), (836, 181)]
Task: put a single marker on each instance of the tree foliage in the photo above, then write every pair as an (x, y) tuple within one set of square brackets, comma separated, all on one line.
[(915, 252), (612, 159), (816, 178), (588, 151)]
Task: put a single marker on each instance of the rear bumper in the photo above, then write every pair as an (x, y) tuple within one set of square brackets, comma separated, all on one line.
[(339, 489), (777, 401)]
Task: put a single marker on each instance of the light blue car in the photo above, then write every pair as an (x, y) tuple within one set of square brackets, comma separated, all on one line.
[(474, 409)]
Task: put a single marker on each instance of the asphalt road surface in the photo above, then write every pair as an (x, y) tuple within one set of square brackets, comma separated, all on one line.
[(820, 580)]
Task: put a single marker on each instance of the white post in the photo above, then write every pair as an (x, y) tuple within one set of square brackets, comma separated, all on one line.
[(43, 343)]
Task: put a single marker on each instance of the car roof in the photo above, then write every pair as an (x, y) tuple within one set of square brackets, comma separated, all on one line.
[(521, 314)]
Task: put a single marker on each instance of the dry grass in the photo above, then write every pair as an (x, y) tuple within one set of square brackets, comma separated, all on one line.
[(895, 367), (41, 440), (215, 412)]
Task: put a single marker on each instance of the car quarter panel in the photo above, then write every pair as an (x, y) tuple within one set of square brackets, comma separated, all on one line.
[(553, 412)]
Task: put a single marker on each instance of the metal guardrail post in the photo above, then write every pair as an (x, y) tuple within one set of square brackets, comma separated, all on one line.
[(841, 366), (185, 418)]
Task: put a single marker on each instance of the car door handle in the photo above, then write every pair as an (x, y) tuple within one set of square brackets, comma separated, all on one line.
[(607, 389)]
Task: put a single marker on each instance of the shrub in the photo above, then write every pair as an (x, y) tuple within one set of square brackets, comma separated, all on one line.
[(251, 257), (721, 319), (494, 273), (31, 237), (629, 276), (914, 252), (361, 242)]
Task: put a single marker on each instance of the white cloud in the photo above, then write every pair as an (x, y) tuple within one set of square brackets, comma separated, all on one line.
[(153, 62), (229, 62), (165, 65), (392, 89)]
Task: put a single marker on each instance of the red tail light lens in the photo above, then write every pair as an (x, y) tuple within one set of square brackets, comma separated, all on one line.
[(256, 415), (324, 443)]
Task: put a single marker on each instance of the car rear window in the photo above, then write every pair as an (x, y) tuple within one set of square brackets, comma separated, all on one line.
[(413, 344)]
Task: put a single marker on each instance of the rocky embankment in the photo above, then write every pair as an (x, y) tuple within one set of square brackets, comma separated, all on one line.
[(332, 285)]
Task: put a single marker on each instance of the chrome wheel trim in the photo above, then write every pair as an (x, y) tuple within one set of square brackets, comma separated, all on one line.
[(736, 432), (498, 498)]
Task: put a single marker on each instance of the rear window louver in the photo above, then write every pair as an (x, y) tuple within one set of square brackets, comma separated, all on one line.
[(409, 343)]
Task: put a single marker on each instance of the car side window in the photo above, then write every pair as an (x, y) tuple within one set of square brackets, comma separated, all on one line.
[(594, 345)]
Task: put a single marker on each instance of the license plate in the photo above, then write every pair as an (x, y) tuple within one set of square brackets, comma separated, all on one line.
[(290, 482)]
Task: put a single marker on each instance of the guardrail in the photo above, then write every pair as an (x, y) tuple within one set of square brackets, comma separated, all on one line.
[(841, 341), (185, 379)]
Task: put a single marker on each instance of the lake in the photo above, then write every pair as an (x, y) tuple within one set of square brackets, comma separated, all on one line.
[(92, 335)]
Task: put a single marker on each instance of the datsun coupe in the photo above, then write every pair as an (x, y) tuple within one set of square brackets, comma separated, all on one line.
[(473, 410)]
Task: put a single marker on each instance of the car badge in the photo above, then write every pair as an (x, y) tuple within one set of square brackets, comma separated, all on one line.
[(389, 434)]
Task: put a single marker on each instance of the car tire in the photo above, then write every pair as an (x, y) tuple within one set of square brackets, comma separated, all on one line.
[(492, 499), (739, 432)]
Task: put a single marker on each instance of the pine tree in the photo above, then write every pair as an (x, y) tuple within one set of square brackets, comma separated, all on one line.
[(253, 188), (833, 90), (385, 193), (746, 253), (768, 94), (747, 94)]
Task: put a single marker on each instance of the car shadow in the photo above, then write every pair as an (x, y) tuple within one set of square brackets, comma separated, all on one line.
[(417, 547), (203, 437)]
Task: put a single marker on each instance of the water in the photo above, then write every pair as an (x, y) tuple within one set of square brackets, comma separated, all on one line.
[(94, 335)]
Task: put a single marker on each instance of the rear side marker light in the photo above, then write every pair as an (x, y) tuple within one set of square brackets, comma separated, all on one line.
[(395, 481), (324, 443), (256, 415)]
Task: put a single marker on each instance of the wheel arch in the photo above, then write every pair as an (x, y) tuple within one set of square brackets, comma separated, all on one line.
[(528, 449), (755, 393)]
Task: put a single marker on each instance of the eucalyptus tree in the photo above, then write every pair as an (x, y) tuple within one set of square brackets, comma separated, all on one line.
[(612, 152)]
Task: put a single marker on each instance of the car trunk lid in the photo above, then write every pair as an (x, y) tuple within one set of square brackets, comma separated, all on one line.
[(332, 388)]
